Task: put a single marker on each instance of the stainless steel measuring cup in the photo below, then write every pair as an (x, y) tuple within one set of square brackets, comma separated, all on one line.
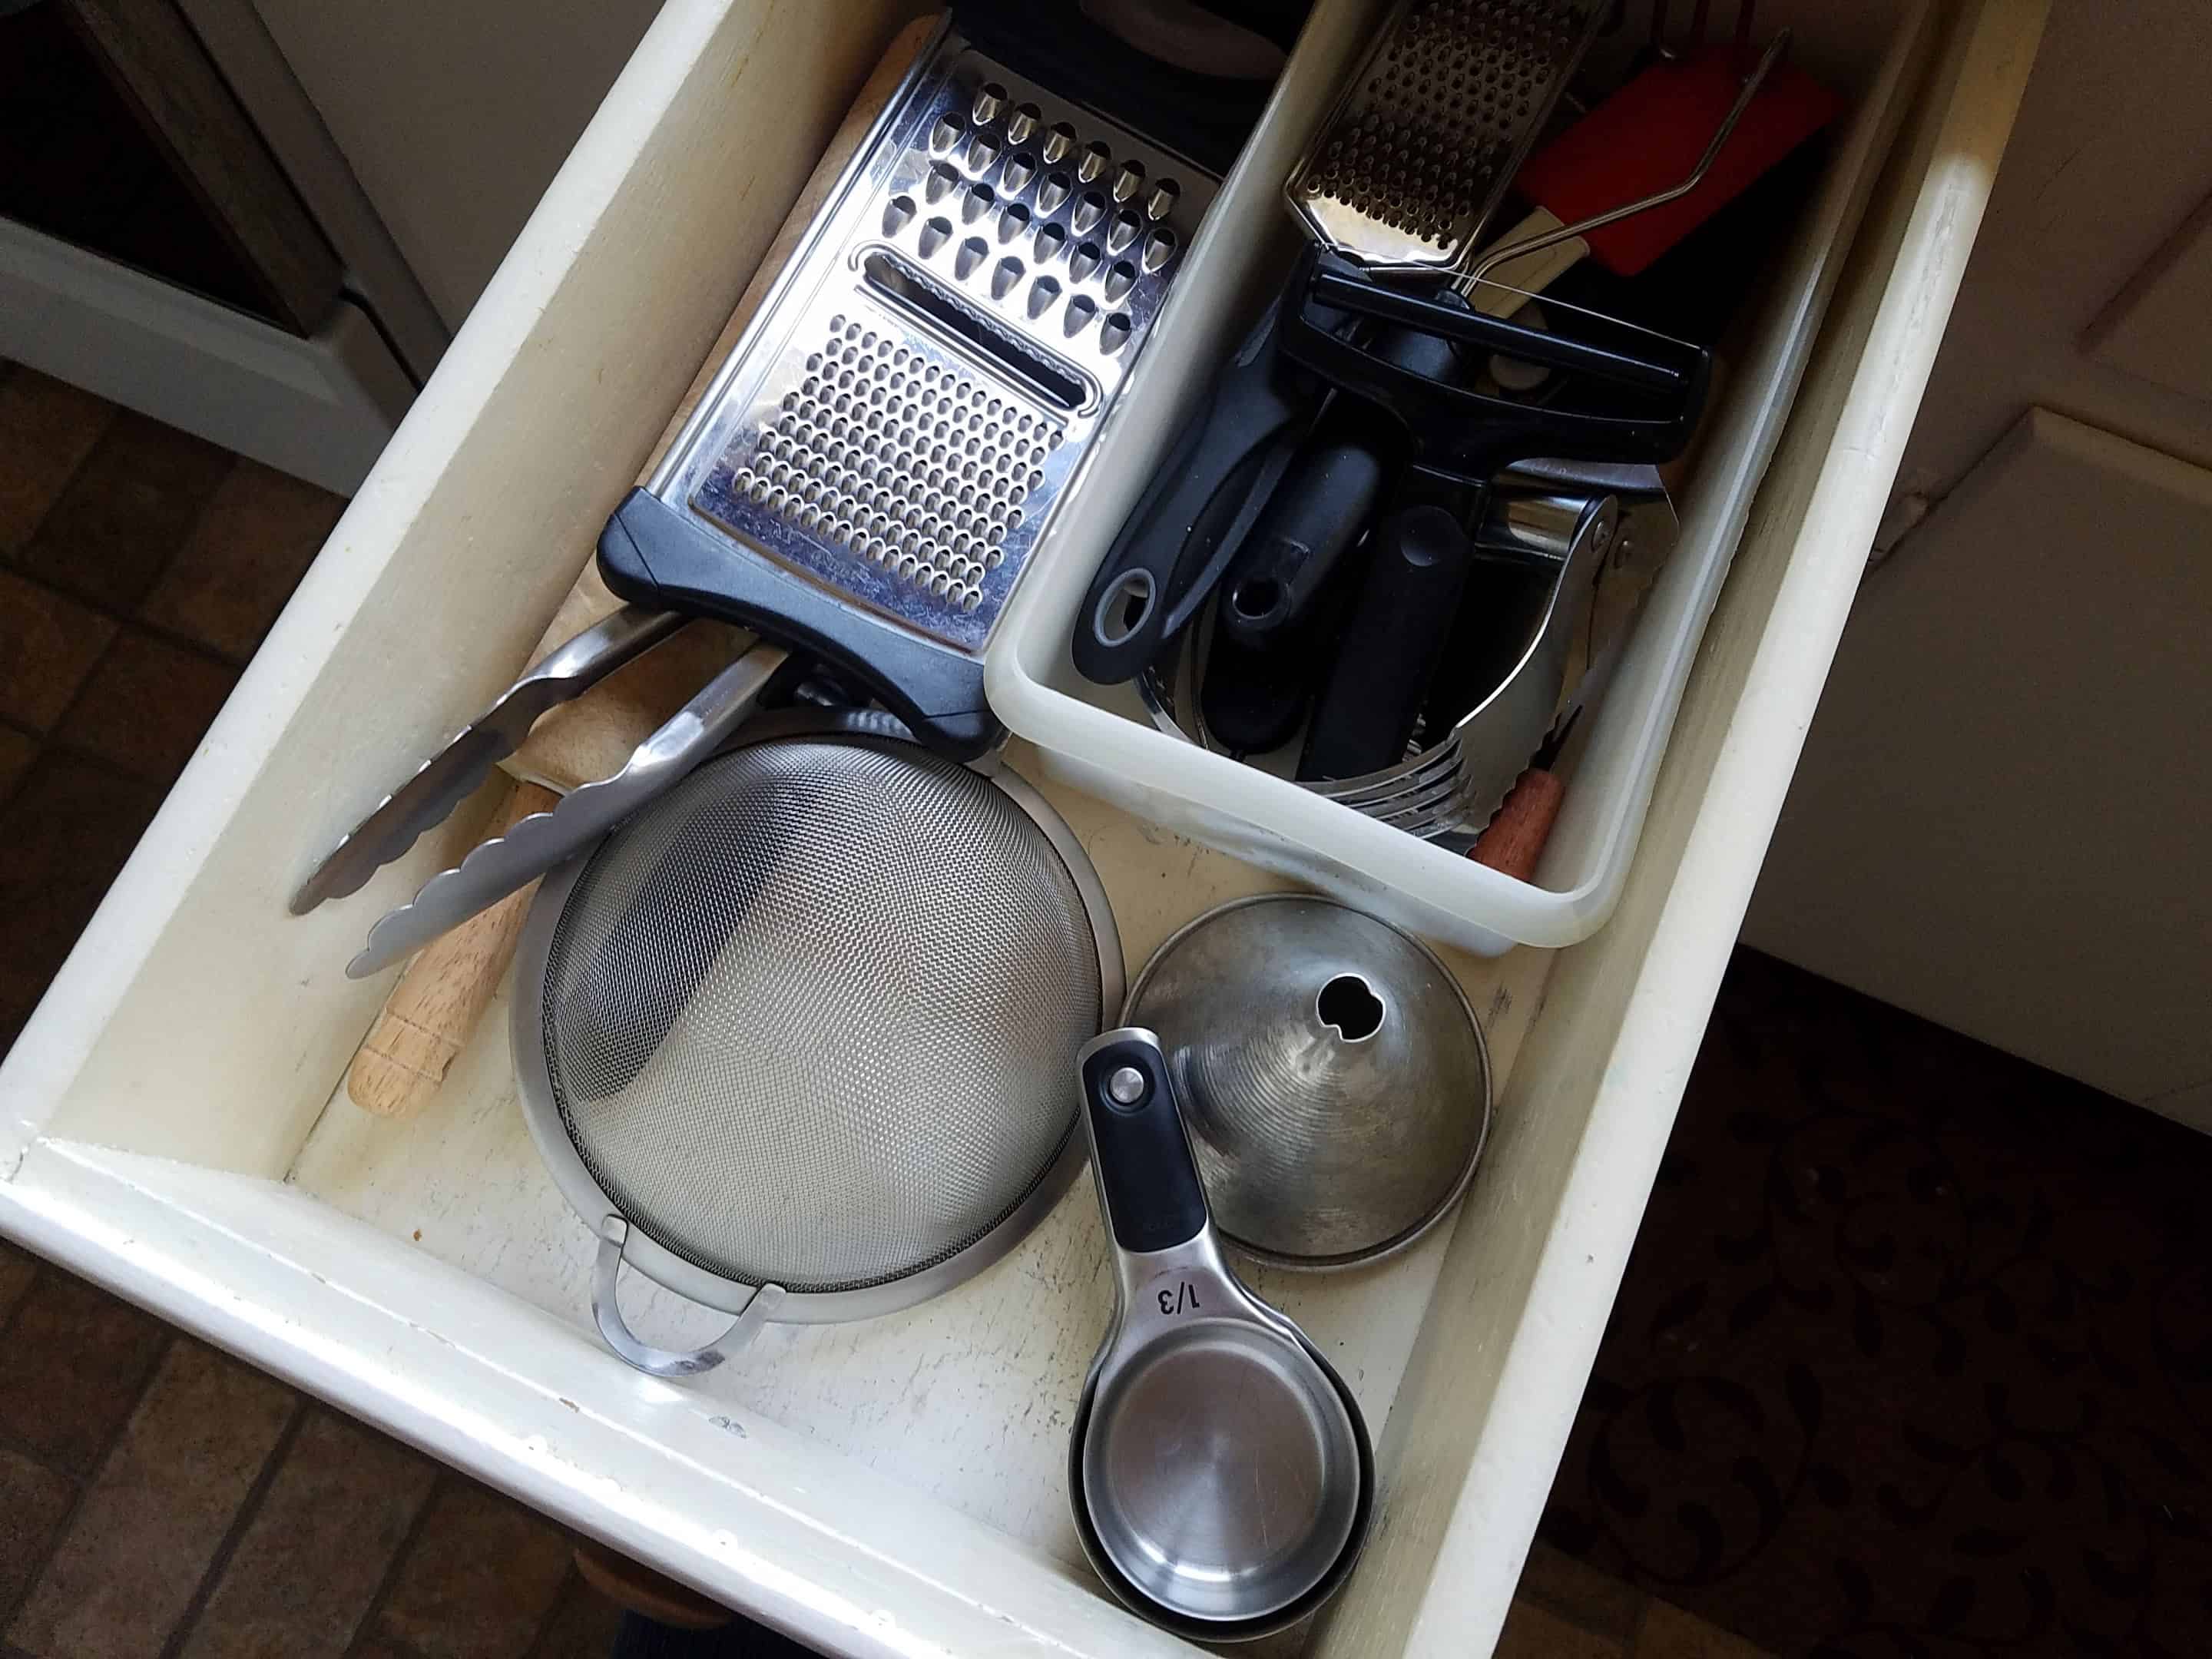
[(1220, 1472)]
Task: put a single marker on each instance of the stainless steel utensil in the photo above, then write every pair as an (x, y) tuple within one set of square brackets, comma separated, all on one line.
[(452, 774), (912, 403), (509, 863), (1219, 1469), (1460, 779), (794, 1040), (1454, 784), (1332, 1074), (1407, 169)]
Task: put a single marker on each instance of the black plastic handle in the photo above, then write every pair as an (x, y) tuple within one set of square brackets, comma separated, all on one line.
[(657, 555), (1204, 117), (1183, 531), (1417, 570), (1341, 289), (1319, 511), (1324, 505), (1632, 395), (1153, 1198), (1254, 700)]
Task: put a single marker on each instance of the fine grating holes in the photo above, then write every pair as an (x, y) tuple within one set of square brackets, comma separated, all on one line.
[(1440, 111), (928, 495)]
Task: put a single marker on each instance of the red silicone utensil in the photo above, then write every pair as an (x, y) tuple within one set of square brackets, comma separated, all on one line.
[(1645, 141)]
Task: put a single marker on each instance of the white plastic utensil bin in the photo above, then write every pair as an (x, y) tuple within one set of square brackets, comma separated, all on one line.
[(1104, 741), (168, 1125)]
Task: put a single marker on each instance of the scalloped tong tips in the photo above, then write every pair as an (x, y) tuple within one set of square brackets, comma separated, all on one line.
[(454, 772), (538, 842), (542, 840)]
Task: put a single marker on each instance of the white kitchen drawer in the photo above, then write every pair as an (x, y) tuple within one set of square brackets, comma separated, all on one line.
[(167, 1123)]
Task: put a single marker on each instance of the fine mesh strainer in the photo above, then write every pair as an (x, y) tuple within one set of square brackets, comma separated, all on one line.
[(795, 1038)]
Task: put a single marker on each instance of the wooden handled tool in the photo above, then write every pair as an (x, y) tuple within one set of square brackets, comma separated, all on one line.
[(1628, 182), (444, 990), (1515, 837)]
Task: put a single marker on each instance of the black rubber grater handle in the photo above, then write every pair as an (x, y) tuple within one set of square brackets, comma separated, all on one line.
[(656, 555)]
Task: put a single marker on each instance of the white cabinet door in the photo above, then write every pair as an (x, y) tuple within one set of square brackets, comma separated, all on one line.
[(455, 118), (2002, 819), (1998, 819)]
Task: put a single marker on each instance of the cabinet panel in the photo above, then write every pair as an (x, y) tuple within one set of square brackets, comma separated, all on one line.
[(455, 117), (2000, 818), (2157, 330)]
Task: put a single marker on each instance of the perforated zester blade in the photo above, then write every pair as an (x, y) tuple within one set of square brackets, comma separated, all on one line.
[(1407, 170), (906, 414)]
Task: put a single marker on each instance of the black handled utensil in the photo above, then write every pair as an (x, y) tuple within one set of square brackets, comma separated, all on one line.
[(1617, 394), (1318, 511), (1416, 572), (1269, 650), (1219, 472), (1620, 394), (1325, 502)]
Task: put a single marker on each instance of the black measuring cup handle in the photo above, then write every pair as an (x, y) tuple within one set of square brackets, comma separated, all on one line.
[(1146, 1172), (657, 555)]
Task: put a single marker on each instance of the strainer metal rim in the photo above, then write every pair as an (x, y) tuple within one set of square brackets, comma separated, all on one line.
[(1403, 1240), (542, 1114)]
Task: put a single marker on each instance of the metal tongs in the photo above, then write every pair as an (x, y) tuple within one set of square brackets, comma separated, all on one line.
[(509, 863), (454, 772)]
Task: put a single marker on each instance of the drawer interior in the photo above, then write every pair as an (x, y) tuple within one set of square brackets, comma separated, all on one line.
[(967, 1396), (171, 1121)]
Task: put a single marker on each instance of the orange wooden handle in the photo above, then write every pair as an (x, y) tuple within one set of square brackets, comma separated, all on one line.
[(428, 1016), (1515, 837)]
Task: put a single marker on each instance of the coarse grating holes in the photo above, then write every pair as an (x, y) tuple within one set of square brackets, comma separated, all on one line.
[(907, 462), (1028, 244), (1419, 144), (1070, 198)]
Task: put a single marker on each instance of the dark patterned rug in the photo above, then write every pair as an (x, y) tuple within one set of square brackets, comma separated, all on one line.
[(1914, 1354)]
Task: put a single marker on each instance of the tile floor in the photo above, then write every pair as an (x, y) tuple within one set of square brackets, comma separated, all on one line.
[(157, 1498), (1912, 1356), (139, 568)]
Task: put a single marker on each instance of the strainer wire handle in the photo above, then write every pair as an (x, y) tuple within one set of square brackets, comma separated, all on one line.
[(614, 1233)]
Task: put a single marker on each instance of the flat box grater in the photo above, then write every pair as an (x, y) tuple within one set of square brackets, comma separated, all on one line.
[(1409, 166), (902, 420)]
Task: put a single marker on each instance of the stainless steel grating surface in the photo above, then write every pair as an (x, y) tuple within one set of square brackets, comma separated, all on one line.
[(1415, 160), (908, 463), (903, 421)]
